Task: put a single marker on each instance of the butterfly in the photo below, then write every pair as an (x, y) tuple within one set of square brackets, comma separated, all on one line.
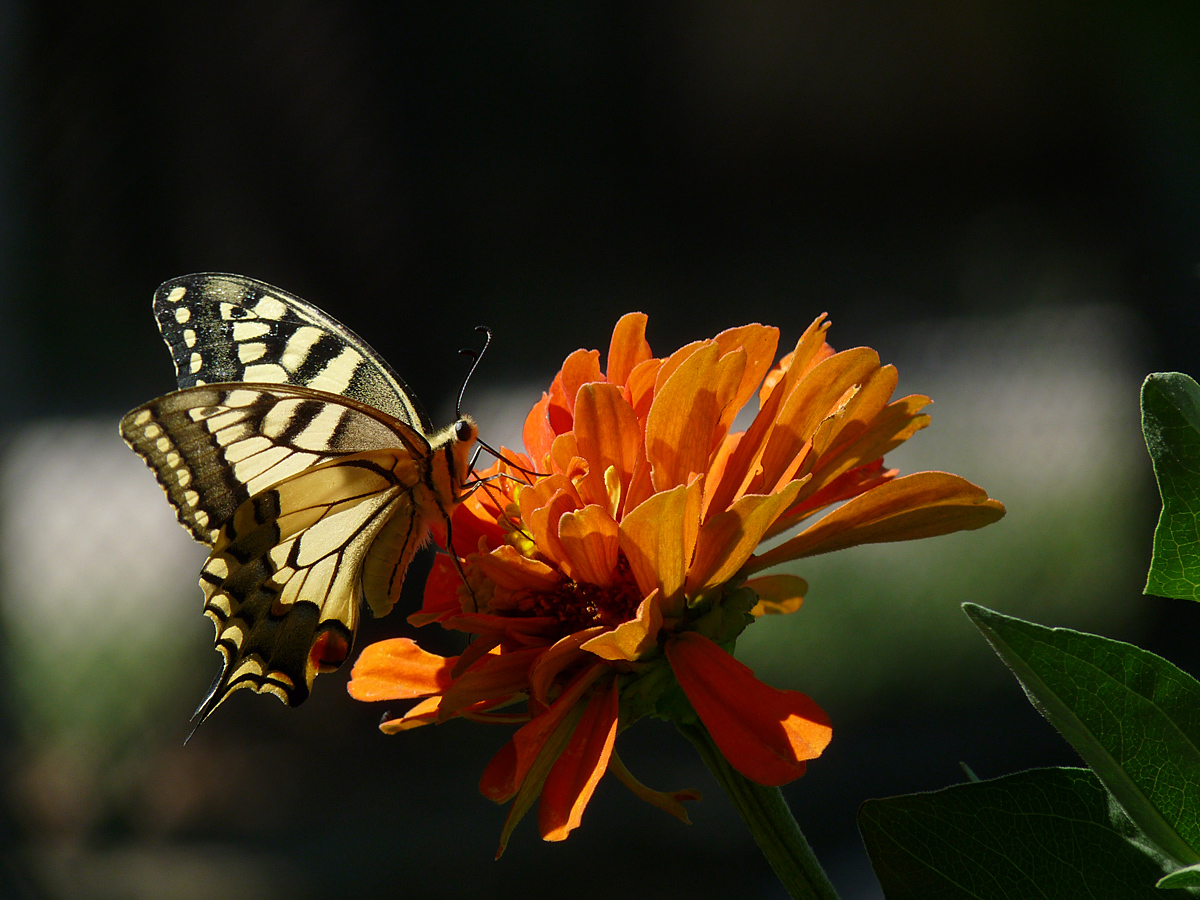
[(296, 453)]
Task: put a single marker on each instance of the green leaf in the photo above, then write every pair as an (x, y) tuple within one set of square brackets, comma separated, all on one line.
[(1045, 833), (1171, 424), (1189, 877), (1131, 715)]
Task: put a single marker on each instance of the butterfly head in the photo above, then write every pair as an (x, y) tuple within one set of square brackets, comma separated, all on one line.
[(456, 442)]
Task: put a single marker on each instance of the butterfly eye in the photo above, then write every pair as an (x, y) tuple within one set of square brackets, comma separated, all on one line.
[(463, 431)]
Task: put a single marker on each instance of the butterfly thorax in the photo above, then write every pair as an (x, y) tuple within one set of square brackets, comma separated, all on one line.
[(450, 464)]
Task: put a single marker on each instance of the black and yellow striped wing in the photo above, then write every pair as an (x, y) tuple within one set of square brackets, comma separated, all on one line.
[(312, 501), (222, 328)]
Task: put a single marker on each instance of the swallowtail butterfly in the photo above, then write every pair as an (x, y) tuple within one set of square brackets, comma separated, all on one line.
[(299, 456)]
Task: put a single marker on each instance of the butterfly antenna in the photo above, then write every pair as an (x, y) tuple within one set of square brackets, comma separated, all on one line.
[(500, 456), (476, 356)]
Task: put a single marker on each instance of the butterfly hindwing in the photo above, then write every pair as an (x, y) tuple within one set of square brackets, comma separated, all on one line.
[(222, 328), (283, 586)]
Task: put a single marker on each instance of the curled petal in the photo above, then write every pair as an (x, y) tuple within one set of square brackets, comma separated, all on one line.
[(578, 770), (627, 348), (543, 527), (538, 495), (426, 713), (590, 539), (920, 505), (509, 569), (848, 484), (777, 594), (398, 669), (670, 802), (631, 640), (765, 733), (896, 423), (672, 363)]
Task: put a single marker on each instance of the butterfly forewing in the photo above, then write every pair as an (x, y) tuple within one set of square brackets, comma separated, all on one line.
[(230, 328), (214, 446)]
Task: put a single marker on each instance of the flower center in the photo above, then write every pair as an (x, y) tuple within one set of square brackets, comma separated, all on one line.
[(580, 605)]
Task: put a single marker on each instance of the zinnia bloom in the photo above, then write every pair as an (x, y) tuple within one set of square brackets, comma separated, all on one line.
[(614, 585)]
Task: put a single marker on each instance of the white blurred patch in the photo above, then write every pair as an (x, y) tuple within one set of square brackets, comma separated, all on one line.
[(88, 543)]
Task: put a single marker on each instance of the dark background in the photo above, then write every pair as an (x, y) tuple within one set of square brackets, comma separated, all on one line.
[(417, 169)]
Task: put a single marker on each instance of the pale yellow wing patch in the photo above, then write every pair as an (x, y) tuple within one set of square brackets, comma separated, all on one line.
[(283, 583)]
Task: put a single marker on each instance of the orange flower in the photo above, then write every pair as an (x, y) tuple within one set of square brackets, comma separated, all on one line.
[(614, 585)]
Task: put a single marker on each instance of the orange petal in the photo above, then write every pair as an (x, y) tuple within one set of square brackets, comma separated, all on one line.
[(607, 433), (441, 593), (424, 713), (659, 538), (542, 525), (742, 467), (810, 350), (896, 423), (562, 451), (630, 640), (923, 504), (852, 419), (590, 539), (640, 488), (670, 802), (503, 776), (760, 343), (777, 594), (554, 660), (579, 368), (627, 348), (849, 484), (537, 495), (728, 539), (578, 770), (812, 400), (496, 675), (682, 428), (765, 733), (640, 387), (537, 434), (674, 361), (509, 569), (398, 669)]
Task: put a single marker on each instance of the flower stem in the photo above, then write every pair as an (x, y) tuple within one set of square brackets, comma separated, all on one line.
[(766, 814)]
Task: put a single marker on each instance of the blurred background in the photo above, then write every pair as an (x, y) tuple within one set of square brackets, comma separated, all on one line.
[(1002, 198)]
